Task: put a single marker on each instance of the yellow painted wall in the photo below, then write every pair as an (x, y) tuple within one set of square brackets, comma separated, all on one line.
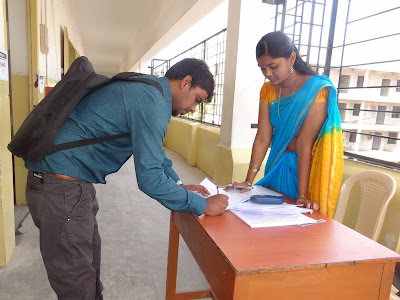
[(21, 108), (7, 230), (177, 137), (207, 139), (224, 166)]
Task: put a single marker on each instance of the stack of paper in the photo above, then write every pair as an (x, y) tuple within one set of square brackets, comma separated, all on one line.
[(261, 215)]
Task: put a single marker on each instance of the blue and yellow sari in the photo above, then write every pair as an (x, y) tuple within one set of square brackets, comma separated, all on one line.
[(327, 154)]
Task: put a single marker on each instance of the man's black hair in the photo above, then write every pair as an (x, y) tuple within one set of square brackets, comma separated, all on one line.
[(198, 70)]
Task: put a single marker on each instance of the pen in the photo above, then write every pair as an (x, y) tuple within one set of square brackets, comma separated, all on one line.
[(217, 190), (240, 186), (308, 224)]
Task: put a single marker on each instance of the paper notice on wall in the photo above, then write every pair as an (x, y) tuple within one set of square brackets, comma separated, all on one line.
[(3, 65), (41, 84)]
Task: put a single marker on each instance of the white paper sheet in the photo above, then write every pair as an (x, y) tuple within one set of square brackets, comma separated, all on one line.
[(267, 218), (261, 215)]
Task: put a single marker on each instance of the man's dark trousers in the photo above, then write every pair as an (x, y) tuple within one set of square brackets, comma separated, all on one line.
[(65, 213)]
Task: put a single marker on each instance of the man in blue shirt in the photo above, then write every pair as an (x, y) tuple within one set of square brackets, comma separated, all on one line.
[(60, 194)]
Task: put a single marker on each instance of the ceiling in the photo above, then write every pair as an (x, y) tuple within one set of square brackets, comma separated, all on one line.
[(117, 34)]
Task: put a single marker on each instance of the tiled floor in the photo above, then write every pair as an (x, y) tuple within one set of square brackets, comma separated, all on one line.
[(134, 230)]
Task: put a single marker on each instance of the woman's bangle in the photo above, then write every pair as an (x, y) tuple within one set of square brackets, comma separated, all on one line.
[(302, 196), (254, 170), (248, 183), (253, 164)]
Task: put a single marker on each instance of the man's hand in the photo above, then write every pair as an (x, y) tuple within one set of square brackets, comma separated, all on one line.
[(216, 205), (196, 188), (243, 186)]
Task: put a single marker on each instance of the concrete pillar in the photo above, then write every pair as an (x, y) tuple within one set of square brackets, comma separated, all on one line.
[(248, 21)]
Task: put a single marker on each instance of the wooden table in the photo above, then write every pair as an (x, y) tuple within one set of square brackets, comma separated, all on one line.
[(322, 261)]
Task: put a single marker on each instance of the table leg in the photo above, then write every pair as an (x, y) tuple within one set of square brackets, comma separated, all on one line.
[(172, 269), (172, 266)]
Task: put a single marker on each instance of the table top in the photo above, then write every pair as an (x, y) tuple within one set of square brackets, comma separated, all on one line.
[(254, 250)]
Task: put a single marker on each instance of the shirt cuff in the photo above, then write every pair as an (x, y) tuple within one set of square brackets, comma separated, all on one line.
[(198, 205)]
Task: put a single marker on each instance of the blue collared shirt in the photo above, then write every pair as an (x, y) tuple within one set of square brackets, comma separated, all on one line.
[(123, 107)]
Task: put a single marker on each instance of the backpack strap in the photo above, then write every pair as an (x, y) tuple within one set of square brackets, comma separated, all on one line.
[(86, 142), (131, 76), (124, 76)]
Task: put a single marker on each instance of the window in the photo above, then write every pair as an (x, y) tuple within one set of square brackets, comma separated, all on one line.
[(352, 137), (360, 81), (356, 109), (380, 116), (344, 83), (398, 86), (342, 111), (396, 113), (376, 141), (385, 90), (394, 136)]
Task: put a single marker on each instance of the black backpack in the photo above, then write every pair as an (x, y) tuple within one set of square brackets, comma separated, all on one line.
[(35, 138)]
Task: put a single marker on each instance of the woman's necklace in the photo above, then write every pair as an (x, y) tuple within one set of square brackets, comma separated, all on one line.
[(279, 97)]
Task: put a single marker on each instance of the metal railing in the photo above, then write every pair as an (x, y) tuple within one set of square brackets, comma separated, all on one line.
[(305, 20)]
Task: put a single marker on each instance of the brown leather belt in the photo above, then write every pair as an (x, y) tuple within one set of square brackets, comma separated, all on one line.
[(63, 176)]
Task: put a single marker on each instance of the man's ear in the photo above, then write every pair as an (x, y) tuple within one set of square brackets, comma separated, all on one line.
[(186, 81)]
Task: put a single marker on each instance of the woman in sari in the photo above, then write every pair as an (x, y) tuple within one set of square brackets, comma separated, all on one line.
[(299, 120)]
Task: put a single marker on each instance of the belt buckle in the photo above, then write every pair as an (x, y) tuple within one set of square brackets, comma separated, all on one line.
[(38, 175)]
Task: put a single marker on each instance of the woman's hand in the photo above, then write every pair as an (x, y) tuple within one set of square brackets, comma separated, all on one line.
[(196, 188), (307, 203), (243, 186)]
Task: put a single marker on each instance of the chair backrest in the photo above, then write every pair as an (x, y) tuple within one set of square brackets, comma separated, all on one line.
[(377, 189)]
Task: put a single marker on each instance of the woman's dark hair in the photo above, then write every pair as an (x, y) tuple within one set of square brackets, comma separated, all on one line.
[(198, 70), (278, 44)]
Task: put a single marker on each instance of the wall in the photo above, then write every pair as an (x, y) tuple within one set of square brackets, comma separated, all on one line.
[(223, 166), (7, 233), (19, 72), (199, 144)]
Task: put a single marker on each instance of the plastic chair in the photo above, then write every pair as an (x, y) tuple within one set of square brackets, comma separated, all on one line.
[(377, 189), (393, 293)]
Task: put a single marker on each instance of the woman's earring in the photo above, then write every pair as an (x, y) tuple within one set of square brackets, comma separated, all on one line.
[(291, 69)]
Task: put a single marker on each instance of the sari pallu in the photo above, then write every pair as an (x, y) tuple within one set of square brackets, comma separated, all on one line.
[(281, 171)]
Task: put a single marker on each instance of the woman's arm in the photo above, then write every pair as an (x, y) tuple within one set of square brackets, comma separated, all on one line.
[(309, 130), (261, 142)]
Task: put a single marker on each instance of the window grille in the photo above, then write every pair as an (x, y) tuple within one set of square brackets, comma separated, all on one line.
[(380, 116), (344, 83), (333, 37), (396, 112), (393, 139), (212, 51), (352, 137), (360, 81), (356, 109), (385, 87)]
